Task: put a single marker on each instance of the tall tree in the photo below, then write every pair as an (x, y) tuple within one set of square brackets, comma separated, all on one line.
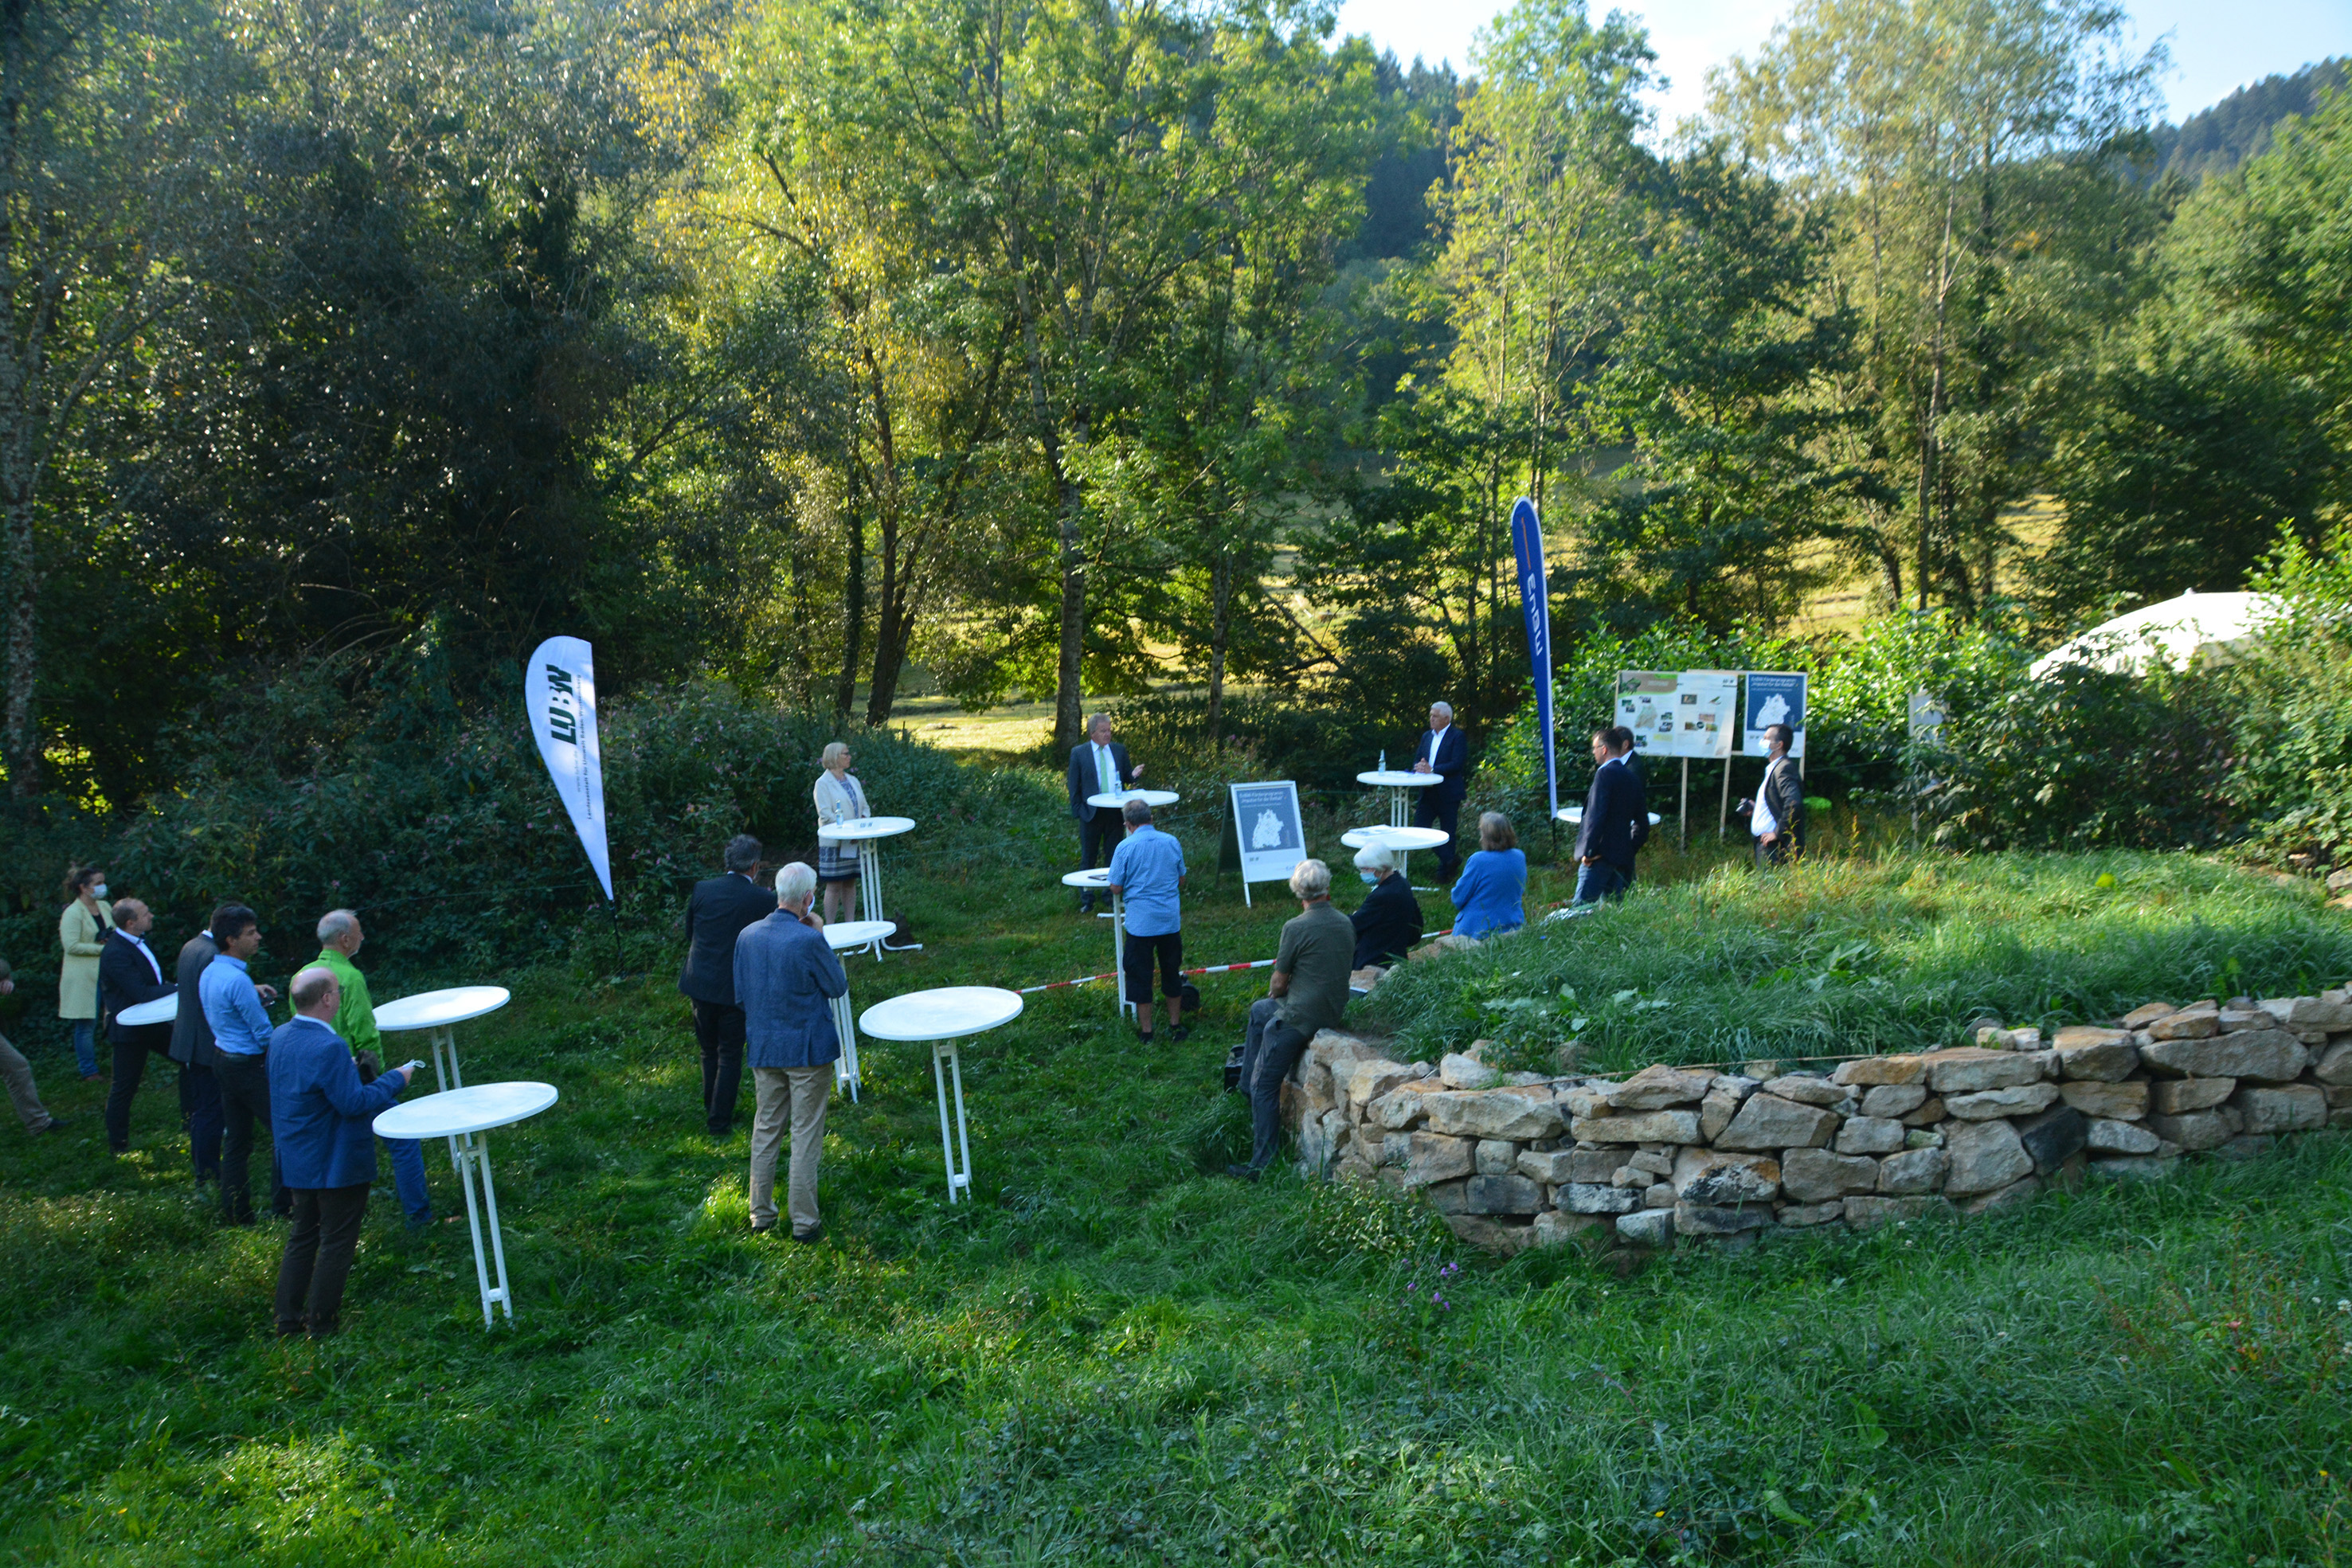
[(1969, 151)]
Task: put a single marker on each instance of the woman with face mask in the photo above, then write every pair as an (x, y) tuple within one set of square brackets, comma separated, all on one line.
[(82, 930), (1389, 922)]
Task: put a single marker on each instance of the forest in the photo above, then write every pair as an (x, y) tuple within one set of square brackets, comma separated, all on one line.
[(1066, 353)]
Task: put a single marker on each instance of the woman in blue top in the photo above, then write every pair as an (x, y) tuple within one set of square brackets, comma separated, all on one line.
[(1488, 895)]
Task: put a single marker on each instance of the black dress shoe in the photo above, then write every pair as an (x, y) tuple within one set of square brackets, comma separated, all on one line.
[(55, 1122), (1182, 1031), (809, 1237), (1241, 1173)]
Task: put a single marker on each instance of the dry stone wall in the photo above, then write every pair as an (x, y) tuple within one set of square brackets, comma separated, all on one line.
[(1671, 1152)]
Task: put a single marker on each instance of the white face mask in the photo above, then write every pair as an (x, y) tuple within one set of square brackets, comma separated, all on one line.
[(97, 890), (1370, 876)]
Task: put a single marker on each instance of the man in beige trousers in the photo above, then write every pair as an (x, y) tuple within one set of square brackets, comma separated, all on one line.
[(786, 977)]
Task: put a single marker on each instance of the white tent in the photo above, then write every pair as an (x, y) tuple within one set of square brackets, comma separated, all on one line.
[(2213, 629)]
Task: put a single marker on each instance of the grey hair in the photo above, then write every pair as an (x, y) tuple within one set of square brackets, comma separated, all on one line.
[(1136, 810), (312, 985), (833, 748), (1442, 706), (1094, 719), (742, 853), (1310, 880), (336, 925), (1372, 857), (795, 883)]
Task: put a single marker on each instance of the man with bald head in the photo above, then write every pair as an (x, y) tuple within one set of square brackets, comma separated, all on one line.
[(129, 973), (319, 1118)]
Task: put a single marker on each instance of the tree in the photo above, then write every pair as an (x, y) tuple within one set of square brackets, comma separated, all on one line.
[(1969, 151), (1717, 383), (108, 109)]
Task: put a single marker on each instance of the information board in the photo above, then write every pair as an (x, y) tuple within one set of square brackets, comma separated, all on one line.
[(1774, 698), (1268, 825), (1680, 713)]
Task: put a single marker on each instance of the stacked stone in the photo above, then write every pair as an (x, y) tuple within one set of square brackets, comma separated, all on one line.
[(1673, 1152)]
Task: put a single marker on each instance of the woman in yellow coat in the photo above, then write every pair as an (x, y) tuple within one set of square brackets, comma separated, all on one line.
[(82, 931)]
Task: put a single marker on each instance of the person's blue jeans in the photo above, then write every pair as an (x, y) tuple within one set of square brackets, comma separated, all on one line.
[(408, 1177), (85, 1038), (1600, 879)]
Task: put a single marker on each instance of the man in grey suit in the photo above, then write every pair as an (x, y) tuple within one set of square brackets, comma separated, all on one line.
[(191, 1048), (786, 977), (1100, 766)]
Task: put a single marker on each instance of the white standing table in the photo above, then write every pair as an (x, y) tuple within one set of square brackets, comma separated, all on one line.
[(162, 1009), (1574, 816), (943, 1017), (436, 1014), (463, 1116), (1098, 881), (847, 936), (1400, 783), (1401, 842), (1155, 799), (867, 833)]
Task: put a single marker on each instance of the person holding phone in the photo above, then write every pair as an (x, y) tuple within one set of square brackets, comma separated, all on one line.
[(321, 1120), (786, 977)]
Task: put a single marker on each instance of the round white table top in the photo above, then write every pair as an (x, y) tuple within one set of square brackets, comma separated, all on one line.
[(844, 934), (162, 1009), (439, 1009), (454, 1112), (1098, 877), (1574, 816), (1155, 799), (1397, 778), (1389, 838), (950, 1012), (864, 828)]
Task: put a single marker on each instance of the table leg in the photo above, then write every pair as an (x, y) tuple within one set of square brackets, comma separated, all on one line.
[(1400, 815), (441, 1043), (845, 1066), (473, 1223), (498, 1293), (1120, 1005), (870, 863), (944, 1061)]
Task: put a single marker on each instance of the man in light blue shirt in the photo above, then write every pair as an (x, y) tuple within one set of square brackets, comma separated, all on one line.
[(236, 1011), (1147, 870)]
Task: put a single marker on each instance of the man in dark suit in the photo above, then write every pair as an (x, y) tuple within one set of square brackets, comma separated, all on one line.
[(191, 1048), (129, 973), (715, 916), (1616, 820), (1443, 752), (1099, 767), (1779, 814)]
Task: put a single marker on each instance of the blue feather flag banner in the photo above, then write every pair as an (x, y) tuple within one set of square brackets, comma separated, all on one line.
[(1535, 599)]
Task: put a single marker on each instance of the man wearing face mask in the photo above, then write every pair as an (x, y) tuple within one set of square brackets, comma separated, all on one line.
[(1388, 923)]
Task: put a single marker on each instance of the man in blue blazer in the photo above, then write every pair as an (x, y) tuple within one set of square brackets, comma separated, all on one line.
[(1097, 767), (1616, 820), (321, 1120), (1443, 752), (786, 977)]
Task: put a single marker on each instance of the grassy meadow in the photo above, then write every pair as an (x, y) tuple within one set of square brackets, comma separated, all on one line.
[(1115, 1356)]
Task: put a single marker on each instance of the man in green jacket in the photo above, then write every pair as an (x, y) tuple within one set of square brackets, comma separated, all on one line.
[(339, 941)]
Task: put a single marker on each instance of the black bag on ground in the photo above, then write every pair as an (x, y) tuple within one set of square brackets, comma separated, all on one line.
[(1233, 1068)]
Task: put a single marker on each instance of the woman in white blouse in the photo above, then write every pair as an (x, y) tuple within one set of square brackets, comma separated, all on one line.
[(839, 797)]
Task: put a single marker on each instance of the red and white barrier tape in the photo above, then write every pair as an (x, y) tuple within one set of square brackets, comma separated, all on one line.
[(1209, 969)]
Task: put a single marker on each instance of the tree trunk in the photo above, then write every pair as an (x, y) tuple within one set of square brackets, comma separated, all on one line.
[(1221, 626), (20, 747), (1068, 670), (852, 645)]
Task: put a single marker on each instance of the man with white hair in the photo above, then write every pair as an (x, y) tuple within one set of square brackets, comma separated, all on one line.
[(320, 1116), (1307, 992), (1097, 767), (339, 937), (1388, 923), (1442, 751), (786, 977)]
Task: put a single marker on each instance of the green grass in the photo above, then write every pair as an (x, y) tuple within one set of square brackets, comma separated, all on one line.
[(1884, 950), (1113, 1356)]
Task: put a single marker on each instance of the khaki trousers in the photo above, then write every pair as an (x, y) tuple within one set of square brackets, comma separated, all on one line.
[(797, 1094), (18, 1074)]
